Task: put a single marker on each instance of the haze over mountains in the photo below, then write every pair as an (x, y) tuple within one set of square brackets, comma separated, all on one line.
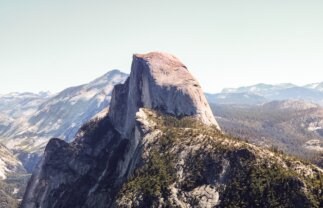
[(295, 127), (261, 93), (30, 120)]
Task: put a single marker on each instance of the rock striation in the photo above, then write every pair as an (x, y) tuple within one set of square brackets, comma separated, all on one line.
[(161, 82)]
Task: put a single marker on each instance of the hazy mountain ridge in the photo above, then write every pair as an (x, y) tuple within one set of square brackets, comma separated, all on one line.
[(261, 93), (317, 86), (29, 120), (16, 104), (294, 126), (242, 98), (56, 116)]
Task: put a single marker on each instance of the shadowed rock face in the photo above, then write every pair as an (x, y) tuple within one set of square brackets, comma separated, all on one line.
[(161, 82), (90, 171)]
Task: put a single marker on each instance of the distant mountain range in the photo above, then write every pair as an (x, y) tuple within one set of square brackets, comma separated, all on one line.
[(261, 93), (15, 105), (29, 120)]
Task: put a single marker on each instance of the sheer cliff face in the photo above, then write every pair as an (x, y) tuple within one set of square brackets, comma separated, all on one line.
[(161, 82), (90, 171)]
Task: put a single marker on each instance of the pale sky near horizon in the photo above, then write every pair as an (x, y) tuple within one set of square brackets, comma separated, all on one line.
[(51, 45)]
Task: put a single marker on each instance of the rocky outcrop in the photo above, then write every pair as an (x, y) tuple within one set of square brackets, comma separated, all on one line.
[(161, 82), (90, 171)]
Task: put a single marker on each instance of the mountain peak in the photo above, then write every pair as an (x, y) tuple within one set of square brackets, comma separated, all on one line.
[(158, 81), (166, 69), (113, 72), (114, 76), (160, 59)]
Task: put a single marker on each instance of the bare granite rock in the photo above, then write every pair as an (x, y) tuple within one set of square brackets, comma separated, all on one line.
[(161, 82)]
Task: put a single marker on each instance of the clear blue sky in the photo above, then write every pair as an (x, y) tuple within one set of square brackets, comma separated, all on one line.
[(54, 44)]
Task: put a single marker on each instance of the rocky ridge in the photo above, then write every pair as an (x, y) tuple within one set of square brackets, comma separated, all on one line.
[(59, 115), (261, 93), (158, 81), (188, 164)]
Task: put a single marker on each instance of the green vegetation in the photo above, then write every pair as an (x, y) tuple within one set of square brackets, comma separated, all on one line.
[(254, 185), (284, 129), (250, 178), (153, 179), (5, 199), (14, 183)]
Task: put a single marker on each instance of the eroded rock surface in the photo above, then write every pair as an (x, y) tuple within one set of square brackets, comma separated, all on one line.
[(161, 82)]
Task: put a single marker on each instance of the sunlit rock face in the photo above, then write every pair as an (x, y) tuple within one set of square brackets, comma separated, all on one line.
[(161, 82)]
